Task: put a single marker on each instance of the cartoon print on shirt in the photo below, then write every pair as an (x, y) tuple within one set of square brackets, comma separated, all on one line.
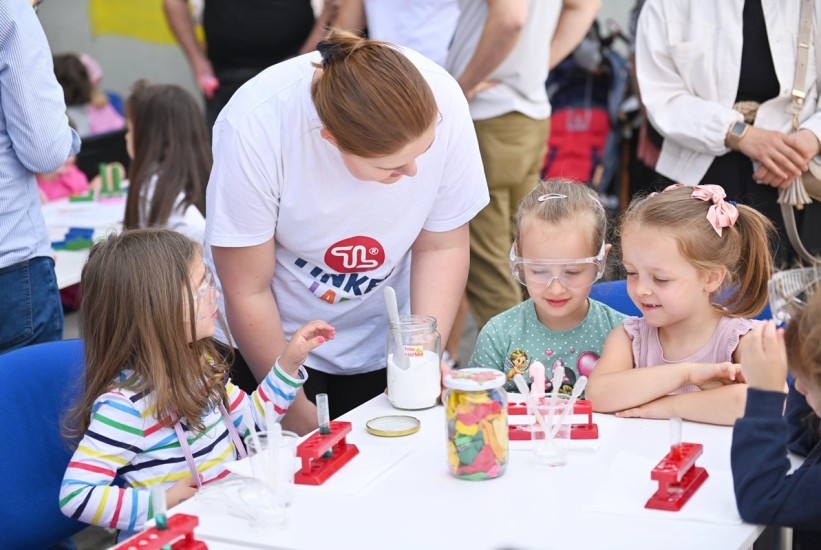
[(516, 363)]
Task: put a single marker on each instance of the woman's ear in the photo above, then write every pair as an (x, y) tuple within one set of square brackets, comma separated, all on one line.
[(328, 136)]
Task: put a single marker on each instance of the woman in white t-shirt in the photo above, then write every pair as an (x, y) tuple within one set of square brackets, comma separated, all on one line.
[(330, 170), (170, 152)]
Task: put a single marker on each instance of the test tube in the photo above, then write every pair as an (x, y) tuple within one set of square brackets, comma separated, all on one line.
[(324, 418), (160, 510), (675, 437)]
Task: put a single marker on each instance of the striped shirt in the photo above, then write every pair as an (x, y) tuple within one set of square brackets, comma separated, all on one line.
[(34, 131), (126, 439)]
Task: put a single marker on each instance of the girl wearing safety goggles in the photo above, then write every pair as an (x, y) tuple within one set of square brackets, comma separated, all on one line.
[(558, 253)]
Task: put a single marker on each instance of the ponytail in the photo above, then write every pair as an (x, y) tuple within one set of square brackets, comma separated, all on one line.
[(754, 267)]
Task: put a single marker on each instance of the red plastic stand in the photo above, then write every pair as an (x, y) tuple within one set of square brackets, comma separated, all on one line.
[(587, 430), (678, 477), (315, 468), (179, 525)]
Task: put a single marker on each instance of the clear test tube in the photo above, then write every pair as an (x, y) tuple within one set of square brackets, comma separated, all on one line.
[(323, 418), (675, 437)]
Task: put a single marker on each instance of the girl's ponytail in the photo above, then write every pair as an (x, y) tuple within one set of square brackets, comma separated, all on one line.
[(754, 267)]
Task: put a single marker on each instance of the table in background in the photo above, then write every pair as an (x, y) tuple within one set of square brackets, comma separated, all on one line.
[(101, 216), (418, 504)]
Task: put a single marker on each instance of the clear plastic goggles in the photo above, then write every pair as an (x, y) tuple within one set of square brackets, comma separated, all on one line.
[(208, 292), (790, 291), (577, 273)]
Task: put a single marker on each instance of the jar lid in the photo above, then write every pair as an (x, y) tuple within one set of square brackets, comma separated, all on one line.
[(393, 425), (474, 379)]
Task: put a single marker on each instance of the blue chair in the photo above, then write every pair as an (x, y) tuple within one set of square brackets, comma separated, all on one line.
[(38, 384), (614, 294)]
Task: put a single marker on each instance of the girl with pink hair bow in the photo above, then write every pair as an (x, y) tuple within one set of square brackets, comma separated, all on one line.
[(697, 268)]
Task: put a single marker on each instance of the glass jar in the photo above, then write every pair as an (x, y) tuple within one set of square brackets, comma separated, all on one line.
[(476, 412), (413, 351)]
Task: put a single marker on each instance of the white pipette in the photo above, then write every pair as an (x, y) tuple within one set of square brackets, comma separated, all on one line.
[(577, 391), (399, 357), (521, 385), (556, 381)]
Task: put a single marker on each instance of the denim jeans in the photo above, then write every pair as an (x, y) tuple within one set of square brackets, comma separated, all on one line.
[(30, 309)]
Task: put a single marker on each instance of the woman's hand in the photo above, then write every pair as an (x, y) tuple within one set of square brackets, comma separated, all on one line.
[(181, 490), (305, 339), (780, 160), (764, 357)]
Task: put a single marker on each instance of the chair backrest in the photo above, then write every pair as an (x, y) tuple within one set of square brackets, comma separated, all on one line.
[(38, 384), (614, 294), (108, 147)]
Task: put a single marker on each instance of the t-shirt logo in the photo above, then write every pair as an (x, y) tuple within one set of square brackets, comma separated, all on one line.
[(355, 254)]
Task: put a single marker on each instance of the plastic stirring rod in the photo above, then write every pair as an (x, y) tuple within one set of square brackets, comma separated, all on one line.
[(399, 357), (558, 378), (521, 385), (274, 444), (577, 391), (270, 415), (537, 375)]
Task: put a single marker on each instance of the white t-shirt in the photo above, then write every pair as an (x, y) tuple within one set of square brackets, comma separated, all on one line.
[(337, 238), (423, 25), (187, 220), (522, 74)]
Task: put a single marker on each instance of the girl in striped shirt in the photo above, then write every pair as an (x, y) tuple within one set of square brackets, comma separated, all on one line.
[(157, 407)]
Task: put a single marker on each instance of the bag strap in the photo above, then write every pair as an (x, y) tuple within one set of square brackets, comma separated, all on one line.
[(806, 19), (788, 213)]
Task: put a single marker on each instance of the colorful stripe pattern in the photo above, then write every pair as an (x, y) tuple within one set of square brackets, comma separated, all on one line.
[(126, 439)]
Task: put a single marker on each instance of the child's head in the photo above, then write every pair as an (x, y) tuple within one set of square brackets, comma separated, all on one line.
[(686, 243), (73, 78), (149, 306), (559, 249), (167, 137), (803, 341)]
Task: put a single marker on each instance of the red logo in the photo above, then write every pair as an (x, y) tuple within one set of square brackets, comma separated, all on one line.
[(355, 254)]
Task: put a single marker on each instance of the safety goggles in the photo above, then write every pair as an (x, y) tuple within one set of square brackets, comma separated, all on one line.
[(208, 292), (577, 273), (790, 291)]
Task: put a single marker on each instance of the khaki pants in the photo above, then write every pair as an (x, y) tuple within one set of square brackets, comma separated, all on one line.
[(512, 148)]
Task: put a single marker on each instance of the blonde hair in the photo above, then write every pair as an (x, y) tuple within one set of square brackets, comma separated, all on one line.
[(572, 200), (138, 313), (742, 249), (369, 96), (803, 341)]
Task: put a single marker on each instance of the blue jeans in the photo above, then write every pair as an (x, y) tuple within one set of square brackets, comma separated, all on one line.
[(30, 308)]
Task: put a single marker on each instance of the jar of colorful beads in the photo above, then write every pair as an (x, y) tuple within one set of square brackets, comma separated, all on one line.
[(476, 409)]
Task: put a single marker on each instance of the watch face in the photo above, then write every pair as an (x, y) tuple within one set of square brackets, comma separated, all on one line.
[(738, 128)]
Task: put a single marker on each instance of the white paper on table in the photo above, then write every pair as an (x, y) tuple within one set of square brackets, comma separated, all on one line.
[(628, 487), (353, 479)]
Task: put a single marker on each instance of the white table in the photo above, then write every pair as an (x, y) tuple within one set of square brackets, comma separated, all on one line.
[(60, 215), (417, 504)]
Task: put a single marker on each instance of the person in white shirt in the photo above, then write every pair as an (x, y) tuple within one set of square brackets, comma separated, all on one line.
[(336, 173), (169, 147), (716, 81)]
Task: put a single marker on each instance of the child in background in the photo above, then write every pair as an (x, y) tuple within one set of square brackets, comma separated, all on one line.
[(68, 180), (171, 161), (686, 252), (558, 253), (108, 104), (156, 393), (766, 493), (87, 117)]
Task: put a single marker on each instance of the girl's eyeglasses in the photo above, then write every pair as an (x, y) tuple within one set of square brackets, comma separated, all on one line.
[(577, 273), (790, 291), (208, 292)]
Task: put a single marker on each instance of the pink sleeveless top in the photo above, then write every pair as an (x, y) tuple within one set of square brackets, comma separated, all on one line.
[(647, 350)]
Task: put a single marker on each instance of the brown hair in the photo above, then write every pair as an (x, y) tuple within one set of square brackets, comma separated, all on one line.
[(803, 341), (138, 313), (170, 142), (579, 200), (743, 249), (369, 96), (73, 78)]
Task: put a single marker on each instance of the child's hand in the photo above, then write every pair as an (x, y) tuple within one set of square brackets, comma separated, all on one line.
[(181, 490), (713, 375), (305, 339), (764, 357)]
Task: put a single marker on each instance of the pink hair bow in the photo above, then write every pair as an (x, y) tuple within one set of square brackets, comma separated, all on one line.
[(721, 214)]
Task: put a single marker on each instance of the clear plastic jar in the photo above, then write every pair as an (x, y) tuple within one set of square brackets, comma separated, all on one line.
[(414, 380), (476, 411)]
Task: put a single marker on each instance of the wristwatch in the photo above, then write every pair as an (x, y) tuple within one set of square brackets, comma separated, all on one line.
[(737, 131)]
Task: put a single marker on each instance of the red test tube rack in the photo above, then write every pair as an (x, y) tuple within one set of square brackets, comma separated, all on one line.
[(678, 477), (179, 525), (588, 430), (316, 469)]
